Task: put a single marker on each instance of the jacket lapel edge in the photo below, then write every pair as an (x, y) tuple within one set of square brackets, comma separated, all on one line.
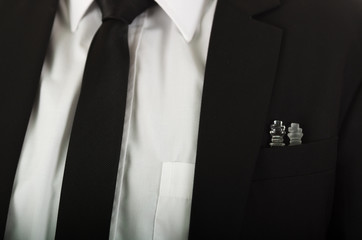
[(23, 46), (239, 78)]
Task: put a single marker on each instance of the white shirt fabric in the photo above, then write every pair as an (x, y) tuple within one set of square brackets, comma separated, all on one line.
[(168, 48)]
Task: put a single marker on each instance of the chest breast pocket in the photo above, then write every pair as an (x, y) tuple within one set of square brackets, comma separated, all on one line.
[(291, 194), (304, 159)]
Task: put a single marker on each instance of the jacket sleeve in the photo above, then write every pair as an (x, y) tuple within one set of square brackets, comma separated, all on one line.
[(346, 220)]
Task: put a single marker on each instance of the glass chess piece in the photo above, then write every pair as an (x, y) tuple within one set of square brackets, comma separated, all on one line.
[(277, 132), (295, 134)]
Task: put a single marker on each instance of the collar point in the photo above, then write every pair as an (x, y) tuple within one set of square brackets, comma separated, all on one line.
[(73, 28), (188, 37)]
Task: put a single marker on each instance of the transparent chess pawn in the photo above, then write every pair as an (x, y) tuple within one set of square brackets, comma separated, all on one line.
[(277, 132), (295, 134)]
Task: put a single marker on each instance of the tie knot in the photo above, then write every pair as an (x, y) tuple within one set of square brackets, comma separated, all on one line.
[(123, 10)]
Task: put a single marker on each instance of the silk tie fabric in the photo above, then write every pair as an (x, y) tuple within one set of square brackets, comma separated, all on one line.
[(90, 174)]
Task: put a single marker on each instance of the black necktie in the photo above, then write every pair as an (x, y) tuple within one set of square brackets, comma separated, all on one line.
[(93, 155)]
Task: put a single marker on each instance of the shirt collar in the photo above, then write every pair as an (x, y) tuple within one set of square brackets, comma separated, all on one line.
[(76, 9), (186, 14)]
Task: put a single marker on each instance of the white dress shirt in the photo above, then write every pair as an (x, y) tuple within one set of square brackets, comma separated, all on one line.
[(168, 48)]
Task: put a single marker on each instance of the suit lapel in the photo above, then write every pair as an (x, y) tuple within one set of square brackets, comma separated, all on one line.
[(240, 72), (25, 28)]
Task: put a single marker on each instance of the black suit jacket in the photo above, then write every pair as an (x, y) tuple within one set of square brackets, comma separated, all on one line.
[(293, 60)]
